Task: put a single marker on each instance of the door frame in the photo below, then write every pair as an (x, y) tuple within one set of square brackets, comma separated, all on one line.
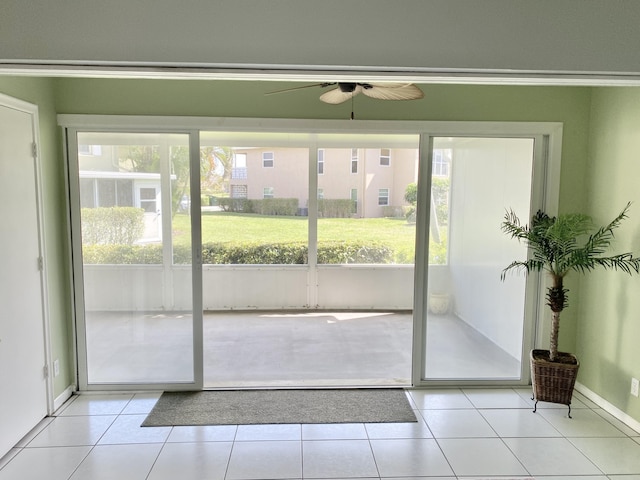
[(30, 109), (544, 196), (163, 199), (547, 154)]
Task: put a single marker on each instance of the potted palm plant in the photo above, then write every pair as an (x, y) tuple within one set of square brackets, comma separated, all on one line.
[(559, 245)]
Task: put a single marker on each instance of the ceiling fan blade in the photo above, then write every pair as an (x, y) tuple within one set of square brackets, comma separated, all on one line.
[(337, 96), (406, 91), (386, 85), (292, 89)]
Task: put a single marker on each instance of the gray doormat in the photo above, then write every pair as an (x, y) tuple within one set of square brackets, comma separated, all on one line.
[(250, 407)]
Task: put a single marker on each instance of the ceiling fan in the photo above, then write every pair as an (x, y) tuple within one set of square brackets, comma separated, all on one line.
[(344, 91)]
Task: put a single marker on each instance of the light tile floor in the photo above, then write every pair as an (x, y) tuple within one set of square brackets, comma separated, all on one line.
[(475, 433)]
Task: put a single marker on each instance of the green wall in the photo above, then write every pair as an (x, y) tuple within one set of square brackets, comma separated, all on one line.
[(609, 329), (569, 105), (40, 91)]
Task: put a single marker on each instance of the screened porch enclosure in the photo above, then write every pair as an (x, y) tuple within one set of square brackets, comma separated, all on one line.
[(308, 251)]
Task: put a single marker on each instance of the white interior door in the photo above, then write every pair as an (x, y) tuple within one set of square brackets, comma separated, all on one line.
[(23, 402)]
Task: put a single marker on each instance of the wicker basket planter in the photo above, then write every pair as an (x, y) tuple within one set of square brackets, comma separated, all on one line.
[(553, 381)]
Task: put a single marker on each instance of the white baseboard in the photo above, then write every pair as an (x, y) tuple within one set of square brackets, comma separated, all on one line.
[(63, 397), (608, 407)]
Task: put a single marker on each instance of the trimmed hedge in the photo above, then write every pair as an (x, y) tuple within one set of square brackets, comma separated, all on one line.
[(275, 206), (240, 254), (265, 206), (235, 205), (353, 252), (112, 225), (254, 253), (336, 208), (122, 254)]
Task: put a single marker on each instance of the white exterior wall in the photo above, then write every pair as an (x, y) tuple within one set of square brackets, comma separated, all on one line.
[(246, 287), (125, 288), (263, 287), (486, 181)]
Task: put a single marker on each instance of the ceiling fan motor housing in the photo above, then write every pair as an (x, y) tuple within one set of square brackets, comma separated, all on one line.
[(347, 87)]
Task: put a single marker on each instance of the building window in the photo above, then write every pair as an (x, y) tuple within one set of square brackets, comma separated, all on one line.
[(239, 191), (267, 159), (320, 193), (239, 169), (441, 162), (148, 199), (267, 192), (385, 157), (354, 198), (354, 160), (383, 197), (320, 161)]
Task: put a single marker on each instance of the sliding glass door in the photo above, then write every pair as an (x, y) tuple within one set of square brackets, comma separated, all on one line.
[(475, 323), (135, 242), (244, 253)]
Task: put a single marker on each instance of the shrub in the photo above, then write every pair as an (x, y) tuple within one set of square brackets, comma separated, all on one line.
[(440, 188), (336, 208), (411, 194), (438, 251), (254, 253), (122, 254), (275, 206), (391, 211), (264, 206), (182, 255), (353, 252), (240, 254), (235, 204), (112, 225), (410, 215)]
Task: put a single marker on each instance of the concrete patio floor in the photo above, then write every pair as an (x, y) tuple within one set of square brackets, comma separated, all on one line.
[(277, 349)]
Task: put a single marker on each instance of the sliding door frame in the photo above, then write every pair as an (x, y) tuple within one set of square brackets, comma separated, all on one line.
[(545, 189), (546, 184), (73, 191)]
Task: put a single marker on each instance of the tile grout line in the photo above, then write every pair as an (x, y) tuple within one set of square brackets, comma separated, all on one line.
[(97, 440), (502, 439)]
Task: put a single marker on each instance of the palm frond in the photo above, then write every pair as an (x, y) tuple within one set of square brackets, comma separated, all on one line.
[(555, 244), (512, 227), (601, 239), (589, 256), (531, 265), (624, 262)]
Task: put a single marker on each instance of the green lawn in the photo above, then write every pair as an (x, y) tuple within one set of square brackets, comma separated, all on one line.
[(226, 227)]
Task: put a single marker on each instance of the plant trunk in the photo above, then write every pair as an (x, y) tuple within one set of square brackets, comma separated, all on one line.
[(557, 298), (555, 328)]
